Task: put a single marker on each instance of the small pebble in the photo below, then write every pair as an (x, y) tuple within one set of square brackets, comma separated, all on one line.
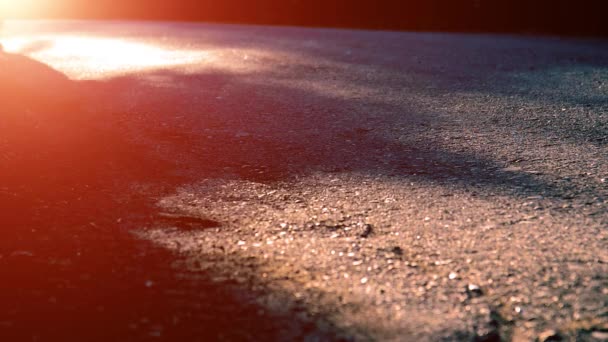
[(549, 335), (473, 290), (600, 335), (368, 229)]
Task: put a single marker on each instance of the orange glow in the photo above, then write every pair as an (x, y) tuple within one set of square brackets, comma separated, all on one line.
[(88, 57), (24, 8), (85, 54)]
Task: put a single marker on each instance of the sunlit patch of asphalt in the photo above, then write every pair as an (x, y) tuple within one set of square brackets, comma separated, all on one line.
[(99, 57), (330, 237)]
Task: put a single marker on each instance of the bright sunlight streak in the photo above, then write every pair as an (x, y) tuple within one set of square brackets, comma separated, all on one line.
[(24, 8), (89, 57)]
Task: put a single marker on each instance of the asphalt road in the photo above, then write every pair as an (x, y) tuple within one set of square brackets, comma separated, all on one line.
[(164, 181)]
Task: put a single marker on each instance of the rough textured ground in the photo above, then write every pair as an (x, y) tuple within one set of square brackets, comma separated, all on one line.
[(191, 182)]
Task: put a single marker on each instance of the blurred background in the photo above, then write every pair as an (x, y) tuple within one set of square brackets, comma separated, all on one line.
[(560, 17)]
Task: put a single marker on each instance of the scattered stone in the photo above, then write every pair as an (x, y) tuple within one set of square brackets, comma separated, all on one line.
[(474, 291), (488, 328), (185, 222), (549, 335), (442, 262), (368, 230), (397, 250), (600, 335), (489, 336)]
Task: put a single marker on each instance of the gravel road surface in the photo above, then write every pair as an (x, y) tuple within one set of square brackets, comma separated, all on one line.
[(164, 181)]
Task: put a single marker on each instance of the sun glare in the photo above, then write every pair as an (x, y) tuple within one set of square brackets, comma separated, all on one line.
[(24, 8), (89, 57)]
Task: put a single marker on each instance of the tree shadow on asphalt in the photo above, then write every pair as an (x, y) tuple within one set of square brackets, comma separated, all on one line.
[(539, 70), (523, 73), (73, 174), (264, 132)]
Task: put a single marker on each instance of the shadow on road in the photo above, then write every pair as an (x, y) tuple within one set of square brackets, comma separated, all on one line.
[(263, 132)]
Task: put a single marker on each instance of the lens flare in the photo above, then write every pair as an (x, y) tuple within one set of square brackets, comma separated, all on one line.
[(24, 8), (85, 57)]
